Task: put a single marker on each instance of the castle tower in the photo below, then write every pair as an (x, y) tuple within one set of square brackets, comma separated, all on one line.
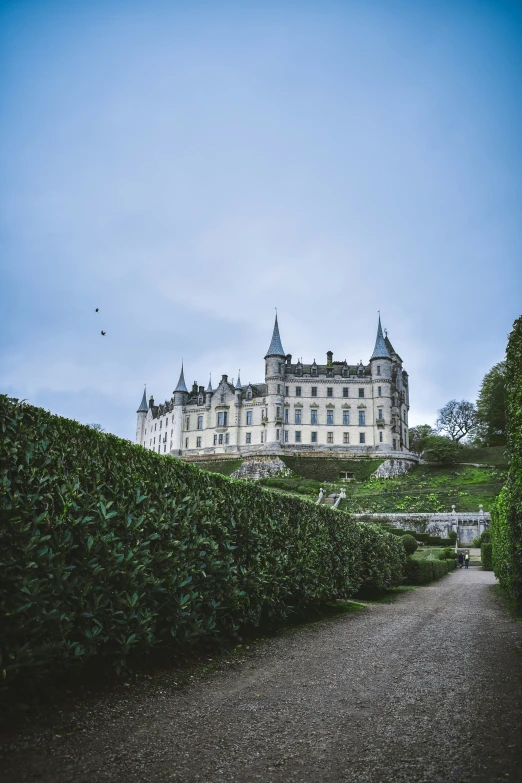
[(381, 370), (275, 391), (180, 398), (142, 415)]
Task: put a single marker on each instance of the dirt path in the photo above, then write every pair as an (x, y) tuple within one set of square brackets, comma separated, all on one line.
[(425, 689)]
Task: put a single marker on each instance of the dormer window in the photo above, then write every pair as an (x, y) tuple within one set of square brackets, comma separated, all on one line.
[(222, 398), (345, 372), (314, 371), (200, 399), (298, 370), (249, 394)]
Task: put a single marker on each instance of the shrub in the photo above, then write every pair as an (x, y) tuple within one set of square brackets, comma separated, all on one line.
[(440, 449), (447, 554), (421, 572), (486, 554), (409, 544), (108, 550), (452, 535), (506, 522)]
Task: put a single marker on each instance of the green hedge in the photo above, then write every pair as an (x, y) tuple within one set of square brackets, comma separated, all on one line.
[(108, 550), (330, 468), (506, 519), (225, 467), (486, 555), (421, 572)]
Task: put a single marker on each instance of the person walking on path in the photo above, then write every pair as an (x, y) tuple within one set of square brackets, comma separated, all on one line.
[(461, 559), (466, 559)]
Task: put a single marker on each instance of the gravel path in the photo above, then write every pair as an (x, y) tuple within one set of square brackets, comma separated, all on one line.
[(424, 689)]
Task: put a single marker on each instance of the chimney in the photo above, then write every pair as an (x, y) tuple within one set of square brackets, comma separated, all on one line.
[(329, 357)]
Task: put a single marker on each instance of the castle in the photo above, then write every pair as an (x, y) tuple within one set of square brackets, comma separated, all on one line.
[(349, 410)]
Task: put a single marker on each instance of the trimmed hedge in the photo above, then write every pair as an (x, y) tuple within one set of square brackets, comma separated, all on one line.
[(506, 519), (486, 556), (421, 572), (108, 550)]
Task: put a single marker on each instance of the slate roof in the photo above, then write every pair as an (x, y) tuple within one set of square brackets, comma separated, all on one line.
[(275, 348), (381, 350), (143, 405), (181, 387)]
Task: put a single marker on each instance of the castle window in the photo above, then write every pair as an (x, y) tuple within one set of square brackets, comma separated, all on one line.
[(314, 391), (379, 391), (287, 390), (166, 421), (215, 440), (249, 418), (362, 437), (227, 438), (248, 437), (249, 394), (329, 437), (380, 437), (200, 422), (262, 437), (222, 398), (298, 371), (298, 415), (278, 412), (200, 399), (187, 422), (380, 414), (313, 371), (277, 434), (164, 449), (159, 449), (346, 437), (286, 415), (279, 388), (222, 419), (329, 391), (378, 369), (361, 392), (298, 437), (329, 372), (186, 443), (362, 418), (313, 416), (346, 418), (345, 391), (314, 437), (198, 443), (286, 436), (160, 423), (297, 391), (220, 440), (394, 443), (345, 372), (329, 416)]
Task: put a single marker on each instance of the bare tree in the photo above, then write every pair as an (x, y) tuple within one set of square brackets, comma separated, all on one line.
[(456, 419)]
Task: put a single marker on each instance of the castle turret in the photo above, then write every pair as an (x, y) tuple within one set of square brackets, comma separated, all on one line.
[(381, 370), (208, 393), (180, 397), (275, 391), (142, 415)]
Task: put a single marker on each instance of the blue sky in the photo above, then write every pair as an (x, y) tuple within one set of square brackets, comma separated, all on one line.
[(187, 167)]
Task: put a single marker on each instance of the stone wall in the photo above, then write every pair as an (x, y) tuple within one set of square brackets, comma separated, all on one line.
[(467, 524), (394, 467), (260, 466)]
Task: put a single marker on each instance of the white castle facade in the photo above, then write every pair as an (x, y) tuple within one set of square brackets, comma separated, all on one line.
[(336, 407)]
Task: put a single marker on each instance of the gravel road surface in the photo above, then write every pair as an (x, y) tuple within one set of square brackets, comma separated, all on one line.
[(426, 689)]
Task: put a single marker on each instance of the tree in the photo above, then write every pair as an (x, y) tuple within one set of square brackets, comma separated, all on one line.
[(409, 543), (417, 437), (491, 406), (437, 448), (97, 427), (456, 419)]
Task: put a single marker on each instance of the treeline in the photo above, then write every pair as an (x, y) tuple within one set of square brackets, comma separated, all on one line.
[(506, 525), (108, 550)]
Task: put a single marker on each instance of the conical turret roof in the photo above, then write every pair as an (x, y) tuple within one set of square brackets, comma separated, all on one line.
[(238, 382), (143, 405), (275, 349), (209, 387), (380, 351), (181, 387)]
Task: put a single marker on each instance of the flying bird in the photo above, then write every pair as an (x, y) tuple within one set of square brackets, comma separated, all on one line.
[(97, 310), (103, 333)]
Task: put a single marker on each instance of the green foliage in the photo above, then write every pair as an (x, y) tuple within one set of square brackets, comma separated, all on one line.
[(506, 523), (108, 550), (447, 554), (297, 484), (417, 437), (330, 468), (225, 467), (409, 543), (487, 455), (491, 406), (421, 572), (456, 419), (486, 555), (452, 535), (440, 449)]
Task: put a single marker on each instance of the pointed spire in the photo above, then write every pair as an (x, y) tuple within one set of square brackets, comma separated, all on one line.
[(181, 387), (143, 405), (238, 382), (380, 351), (209, 387), (275, 349)]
